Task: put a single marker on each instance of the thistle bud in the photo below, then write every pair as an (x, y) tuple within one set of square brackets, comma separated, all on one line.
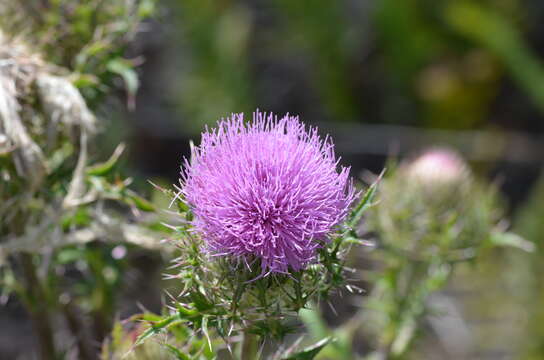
[(438, 166), (434, 204)]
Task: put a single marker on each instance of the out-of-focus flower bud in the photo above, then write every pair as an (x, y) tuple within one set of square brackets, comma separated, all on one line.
[(433, 205), (437, 166)]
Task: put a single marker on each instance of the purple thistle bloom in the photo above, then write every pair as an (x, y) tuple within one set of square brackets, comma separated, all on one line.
[(267, 190)]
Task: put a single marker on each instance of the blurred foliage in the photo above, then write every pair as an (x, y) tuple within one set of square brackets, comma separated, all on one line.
[(216, 78), (331, 49), (57, 59), (432, 63), (531, 290), (86, 37), (496, 33)]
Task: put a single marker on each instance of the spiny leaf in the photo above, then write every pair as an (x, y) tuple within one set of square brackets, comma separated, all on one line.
[(140, 202), (311, 351), (176, 352), (150, 317), (205, 330), (105, 168), (181, 204), (157, 327), (364, 203), (187, 313), (201, 302)]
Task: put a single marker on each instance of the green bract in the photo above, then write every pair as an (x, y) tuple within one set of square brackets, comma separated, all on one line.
[(222, 298)]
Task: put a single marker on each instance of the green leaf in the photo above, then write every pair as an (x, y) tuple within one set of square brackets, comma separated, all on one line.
[(205, 330), (124, 69), (96, 48), (404, 337), (176, 352), (69, 255), (80, 218), (181, 204), (510, 239), (85, 80), (140, 202), (156, 328), (187, 313), (365, 202), (146, 8), (117, 335), (314, 323), (105, 168), (310, 352), (201, 302)]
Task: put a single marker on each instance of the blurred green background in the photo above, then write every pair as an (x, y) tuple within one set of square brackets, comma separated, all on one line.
[(385, 78)]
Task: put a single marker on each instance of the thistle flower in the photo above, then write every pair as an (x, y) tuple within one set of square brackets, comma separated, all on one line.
[(269, 191)]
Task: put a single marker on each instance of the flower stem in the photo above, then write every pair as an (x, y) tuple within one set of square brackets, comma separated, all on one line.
[(249, 347)]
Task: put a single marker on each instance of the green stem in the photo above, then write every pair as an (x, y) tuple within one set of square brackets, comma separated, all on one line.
[(37, 307), (85, 351), (249, 347), (102, 296), (408, 300)]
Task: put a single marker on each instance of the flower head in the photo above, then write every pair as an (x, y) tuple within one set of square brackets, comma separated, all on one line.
[(269, 190)]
